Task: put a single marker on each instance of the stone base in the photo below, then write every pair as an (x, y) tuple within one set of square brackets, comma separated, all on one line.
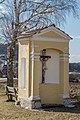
[(67, 103), (30, 104)]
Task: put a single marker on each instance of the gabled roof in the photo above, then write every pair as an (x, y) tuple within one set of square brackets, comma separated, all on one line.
[(41, 29)]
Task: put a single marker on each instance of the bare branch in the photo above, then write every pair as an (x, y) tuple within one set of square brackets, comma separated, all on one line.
[(1, 1), (25, 15)]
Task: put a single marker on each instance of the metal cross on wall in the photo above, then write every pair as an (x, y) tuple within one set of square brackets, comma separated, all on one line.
[(43, 59)]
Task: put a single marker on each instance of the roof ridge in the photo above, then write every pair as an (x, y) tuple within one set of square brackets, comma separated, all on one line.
[(39, 29)]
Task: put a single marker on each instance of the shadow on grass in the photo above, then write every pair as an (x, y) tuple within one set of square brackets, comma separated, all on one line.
[(10, 100), (62, 108)]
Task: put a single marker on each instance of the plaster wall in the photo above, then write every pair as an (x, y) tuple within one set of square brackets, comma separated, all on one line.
[(49, 93), (23, 53)]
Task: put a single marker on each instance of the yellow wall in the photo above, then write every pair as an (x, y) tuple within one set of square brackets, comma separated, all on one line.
[(52, 93), (23, 53), (62, 46), (49, 93)]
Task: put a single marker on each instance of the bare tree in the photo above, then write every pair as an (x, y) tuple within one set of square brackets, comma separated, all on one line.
[(25, 15), (1, 1)]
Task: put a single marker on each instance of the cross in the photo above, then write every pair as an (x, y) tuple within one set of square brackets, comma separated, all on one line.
[(43, 59)]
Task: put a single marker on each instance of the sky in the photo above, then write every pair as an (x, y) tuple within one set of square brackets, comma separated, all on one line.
[(72, 27)]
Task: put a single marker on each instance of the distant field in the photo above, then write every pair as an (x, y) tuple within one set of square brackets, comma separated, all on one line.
[(3, 82), (74, 88), (3, 79)]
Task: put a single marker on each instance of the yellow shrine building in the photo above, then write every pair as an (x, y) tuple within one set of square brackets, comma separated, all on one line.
[(43, 67)]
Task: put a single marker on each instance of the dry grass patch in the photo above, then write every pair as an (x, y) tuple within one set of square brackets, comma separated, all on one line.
[(8, 111)]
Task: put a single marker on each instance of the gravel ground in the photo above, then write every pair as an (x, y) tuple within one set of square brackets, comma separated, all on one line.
[(8, 111)]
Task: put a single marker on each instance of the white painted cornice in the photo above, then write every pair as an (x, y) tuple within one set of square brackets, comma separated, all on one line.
[(49, 39), (38, 36), (55, 30)]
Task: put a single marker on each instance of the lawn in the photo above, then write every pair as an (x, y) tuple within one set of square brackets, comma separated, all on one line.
[(8, 111)]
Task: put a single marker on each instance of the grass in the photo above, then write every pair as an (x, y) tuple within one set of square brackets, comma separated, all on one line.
[(8, 111)]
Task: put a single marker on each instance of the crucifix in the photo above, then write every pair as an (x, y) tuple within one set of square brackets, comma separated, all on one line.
[(43, 59)]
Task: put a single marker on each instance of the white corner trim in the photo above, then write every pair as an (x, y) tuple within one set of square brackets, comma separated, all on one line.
[(35, 57), (66, 60), (34, 46), (34, 98), (64, 55), (65, 95), (35, 53)]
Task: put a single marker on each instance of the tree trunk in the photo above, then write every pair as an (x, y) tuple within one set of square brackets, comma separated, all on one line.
[(10, 60), (10, 57)]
